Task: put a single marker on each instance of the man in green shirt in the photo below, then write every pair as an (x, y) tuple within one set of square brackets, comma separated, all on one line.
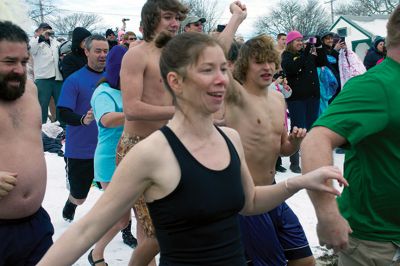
[(363, 225)]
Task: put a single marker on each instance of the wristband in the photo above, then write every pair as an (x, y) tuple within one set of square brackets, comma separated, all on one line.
[(82, 122), (286, 186)]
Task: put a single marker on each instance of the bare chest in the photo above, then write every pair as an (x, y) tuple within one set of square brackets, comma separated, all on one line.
[(153, 88)]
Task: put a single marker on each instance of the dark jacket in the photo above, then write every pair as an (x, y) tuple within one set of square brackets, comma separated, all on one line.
[(77, 59), (301, 73), (373, 54)]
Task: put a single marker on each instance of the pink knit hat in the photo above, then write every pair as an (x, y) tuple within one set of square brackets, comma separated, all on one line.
[(293, 35)]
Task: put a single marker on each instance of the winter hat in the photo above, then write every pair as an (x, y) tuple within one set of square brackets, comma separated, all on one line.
[(78, 35), (44, 26), (326, 34), (377, 40), (109, 32), (113, 64), (293, 35)]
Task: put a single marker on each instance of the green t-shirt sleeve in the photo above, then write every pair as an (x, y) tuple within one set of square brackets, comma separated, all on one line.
[(360, 110)]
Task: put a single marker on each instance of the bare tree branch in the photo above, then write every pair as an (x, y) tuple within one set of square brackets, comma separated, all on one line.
[(41, 10), (64, 25), (207, 9), (367, 7), (309, 18)]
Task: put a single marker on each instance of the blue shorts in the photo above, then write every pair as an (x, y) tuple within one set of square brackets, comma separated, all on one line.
[(274, 237), (25, 241)]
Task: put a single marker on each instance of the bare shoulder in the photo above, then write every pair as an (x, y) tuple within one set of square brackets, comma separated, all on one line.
[(136, 55), (150, 151), (277, 97), (234, 137), (31, 88)]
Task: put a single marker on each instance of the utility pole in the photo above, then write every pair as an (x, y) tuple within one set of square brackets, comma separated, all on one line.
[(41, 11), (332, 15)]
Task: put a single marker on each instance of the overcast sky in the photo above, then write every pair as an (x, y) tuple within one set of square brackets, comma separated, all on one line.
[(113, 11)]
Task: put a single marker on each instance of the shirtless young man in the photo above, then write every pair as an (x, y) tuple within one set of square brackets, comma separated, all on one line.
[(147, 105), (258, 114), (25, 227)]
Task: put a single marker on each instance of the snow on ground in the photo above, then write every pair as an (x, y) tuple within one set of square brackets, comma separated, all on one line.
[(118, 253)]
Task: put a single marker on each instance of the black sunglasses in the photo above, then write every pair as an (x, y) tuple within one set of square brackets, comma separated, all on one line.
[(198, 23), (132, 39)]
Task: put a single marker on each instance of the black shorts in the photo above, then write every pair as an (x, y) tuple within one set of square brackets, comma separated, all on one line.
[(25, 241), (80, 174)]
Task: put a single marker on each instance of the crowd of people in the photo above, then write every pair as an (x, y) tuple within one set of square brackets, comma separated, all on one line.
[(187, 129)]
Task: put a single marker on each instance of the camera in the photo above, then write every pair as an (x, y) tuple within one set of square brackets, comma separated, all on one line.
[(220, 28), (280, 74), (342, 39), (49, 33), (312, 40), (125, 19)]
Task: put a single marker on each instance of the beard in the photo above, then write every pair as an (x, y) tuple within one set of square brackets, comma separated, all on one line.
[(10, 92)]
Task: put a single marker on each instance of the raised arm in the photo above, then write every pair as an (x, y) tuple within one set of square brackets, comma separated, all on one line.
[(239, 13), (132, 76), (316, 151)]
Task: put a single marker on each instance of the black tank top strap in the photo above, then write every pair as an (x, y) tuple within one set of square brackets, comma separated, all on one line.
[(179, 149), (231, 147), (176, 145)]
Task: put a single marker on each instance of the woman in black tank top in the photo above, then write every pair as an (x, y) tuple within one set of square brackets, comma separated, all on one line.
[(193, 175)]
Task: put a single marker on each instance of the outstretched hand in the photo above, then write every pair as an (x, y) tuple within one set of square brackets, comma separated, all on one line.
[(320, 180), (7, 183)]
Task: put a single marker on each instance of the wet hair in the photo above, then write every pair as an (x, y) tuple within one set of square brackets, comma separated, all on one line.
[(180, 52), (89, 40), (262, 49), (151, 15), (12, 33), (393, 29)]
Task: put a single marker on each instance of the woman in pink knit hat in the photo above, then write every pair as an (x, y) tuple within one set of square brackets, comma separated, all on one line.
[(299, 62)]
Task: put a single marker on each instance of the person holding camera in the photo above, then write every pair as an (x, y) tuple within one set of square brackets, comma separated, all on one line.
[(48, 78), (299, 63)]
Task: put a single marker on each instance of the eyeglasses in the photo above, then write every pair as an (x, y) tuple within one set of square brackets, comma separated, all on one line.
[(132, 39)]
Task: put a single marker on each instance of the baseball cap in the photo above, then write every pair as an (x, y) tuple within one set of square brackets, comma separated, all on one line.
[(192, 19), (44, 26)]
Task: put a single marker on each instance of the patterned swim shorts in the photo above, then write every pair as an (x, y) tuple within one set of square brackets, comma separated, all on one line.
[(126, 142)]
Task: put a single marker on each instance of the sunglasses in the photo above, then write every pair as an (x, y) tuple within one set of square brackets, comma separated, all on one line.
[(198, 23), (132, 39)]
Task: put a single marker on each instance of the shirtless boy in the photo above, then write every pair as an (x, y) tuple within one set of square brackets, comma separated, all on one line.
[(25, 227), (147, 105), (258, 114)]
